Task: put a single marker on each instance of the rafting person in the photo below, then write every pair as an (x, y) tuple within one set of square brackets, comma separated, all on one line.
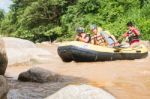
[(132, 34), (82, 36), (102, 38), (97, 38)]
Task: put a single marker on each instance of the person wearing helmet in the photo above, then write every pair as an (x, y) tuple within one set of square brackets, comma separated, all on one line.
[(132, 34), (97, 38), (103, 37), (81, 35)]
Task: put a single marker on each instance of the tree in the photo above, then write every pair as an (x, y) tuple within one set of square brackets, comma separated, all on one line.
[(1, 15), (39, 20)]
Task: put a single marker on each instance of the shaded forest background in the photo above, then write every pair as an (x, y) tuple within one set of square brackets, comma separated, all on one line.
[(40, 20)]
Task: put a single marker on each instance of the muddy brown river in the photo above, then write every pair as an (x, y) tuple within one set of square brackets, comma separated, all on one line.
[(125, 79)]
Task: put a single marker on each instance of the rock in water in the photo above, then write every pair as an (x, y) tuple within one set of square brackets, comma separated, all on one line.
[(37, 74), (23, 51), (81, 92), (3, 88), (3, 58)]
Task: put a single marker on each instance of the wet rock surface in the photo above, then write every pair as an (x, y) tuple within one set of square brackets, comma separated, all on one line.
[(3, 88), (38, 74), (32, 90), (24, 51), (81, 92), (3, 58)]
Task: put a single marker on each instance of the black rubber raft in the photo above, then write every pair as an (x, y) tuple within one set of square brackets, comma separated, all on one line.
[(83, 52)]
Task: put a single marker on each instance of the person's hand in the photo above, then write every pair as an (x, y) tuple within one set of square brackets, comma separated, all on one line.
[(77, 37), (93, 37)]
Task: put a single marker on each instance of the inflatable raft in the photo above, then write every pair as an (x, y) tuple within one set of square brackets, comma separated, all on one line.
[(84, 52)]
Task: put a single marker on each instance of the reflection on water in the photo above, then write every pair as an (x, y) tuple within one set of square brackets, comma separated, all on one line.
[(125, 79)]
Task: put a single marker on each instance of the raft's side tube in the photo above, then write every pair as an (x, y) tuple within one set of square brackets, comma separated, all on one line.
[(69, 53), (65, 53)]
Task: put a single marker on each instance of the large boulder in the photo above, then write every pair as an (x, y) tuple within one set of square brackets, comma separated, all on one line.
[(81, 92), (3, 57), (38, 74), (3, 88), (24, 51)]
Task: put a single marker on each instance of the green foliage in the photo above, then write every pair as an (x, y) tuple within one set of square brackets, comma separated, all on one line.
[(1, 14), (40, 20)]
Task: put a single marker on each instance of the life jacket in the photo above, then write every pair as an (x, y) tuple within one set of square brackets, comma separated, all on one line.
[(100, 40), (132, 37)]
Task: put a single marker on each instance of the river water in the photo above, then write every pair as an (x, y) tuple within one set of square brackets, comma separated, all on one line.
[(125, 79)]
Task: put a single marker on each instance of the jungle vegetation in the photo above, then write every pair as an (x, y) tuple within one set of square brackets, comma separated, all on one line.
[(40, 20)]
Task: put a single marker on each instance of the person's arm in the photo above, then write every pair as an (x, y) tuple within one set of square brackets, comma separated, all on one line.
[(122, 36), (136, 32), (96, 36), (125, 34), (86, 39)]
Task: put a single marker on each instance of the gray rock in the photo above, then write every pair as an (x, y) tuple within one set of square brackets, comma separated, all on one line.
[(3, 88), (15, 94), (37, 74), (81, 92), (3, 58), (24, 51)]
